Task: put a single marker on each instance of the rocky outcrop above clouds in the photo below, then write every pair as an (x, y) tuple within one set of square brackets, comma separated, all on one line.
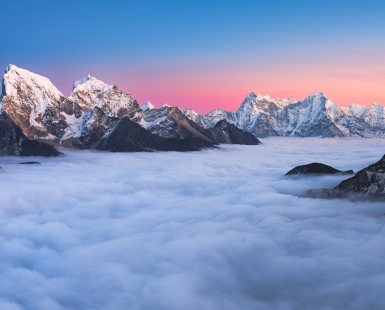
[(367, 184), (316, 168)]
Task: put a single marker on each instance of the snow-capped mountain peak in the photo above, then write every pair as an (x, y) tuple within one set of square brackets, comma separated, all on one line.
[(90, 83), (9, 67), (90, 92), (191, 114), (13, 75), (147, 106), (355, 109), (265, 97), (315, 96), (251, 96), (34, 103), (82, 81)]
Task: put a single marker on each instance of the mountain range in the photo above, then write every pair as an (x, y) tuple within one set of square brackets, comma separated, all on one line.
[(100, 116), (96, 115), (314, 116)]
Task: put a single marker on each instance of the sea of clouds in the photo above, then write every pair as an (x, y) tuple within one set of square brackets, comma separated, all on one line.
[(217, 229)]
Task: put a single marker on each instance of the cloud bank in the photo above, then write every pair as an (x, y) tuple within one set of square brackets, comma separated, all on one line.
[(217, 229)]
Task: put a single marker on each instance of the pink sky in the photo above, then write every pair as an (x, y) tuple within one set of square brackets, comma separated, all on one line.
[(227, 89), (344, 76)]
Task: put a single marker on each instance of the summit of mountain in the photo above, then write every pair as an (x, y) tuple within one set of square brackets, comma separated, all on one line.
[(90, 92)]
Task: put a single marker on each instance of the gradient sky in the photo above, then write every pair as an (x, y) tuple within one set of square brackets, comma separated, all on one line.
[(203, 54)]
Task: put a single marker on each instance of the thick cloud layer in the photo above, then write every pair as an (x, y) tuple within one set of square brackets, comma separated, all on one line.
[(217, 229)]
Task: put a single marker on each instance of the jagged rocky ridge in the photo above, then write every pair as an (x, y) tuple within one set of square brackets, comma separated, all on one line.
[(310, 117), (367, 184), (171, 122), (93, 115)]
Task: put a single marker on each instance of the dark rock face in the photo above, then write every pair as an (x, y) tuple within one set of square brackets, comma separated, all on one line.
[(224, 132), (316, 168), (30, 163), (36, 148), (367, 184), (190, 128), (128, 136), (14, 142), (10, 136)]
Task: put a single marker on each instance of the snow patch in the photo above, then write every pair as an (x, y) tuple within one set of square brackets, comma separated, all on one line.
[(148, 125)]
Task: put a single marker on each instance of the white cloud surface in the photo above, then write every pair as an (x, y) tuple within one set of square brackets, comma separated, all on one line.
[(218, 229)]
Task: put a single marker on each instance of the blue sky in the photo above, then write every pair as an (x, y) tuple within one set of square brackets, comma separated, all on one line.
[(203, 54)]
